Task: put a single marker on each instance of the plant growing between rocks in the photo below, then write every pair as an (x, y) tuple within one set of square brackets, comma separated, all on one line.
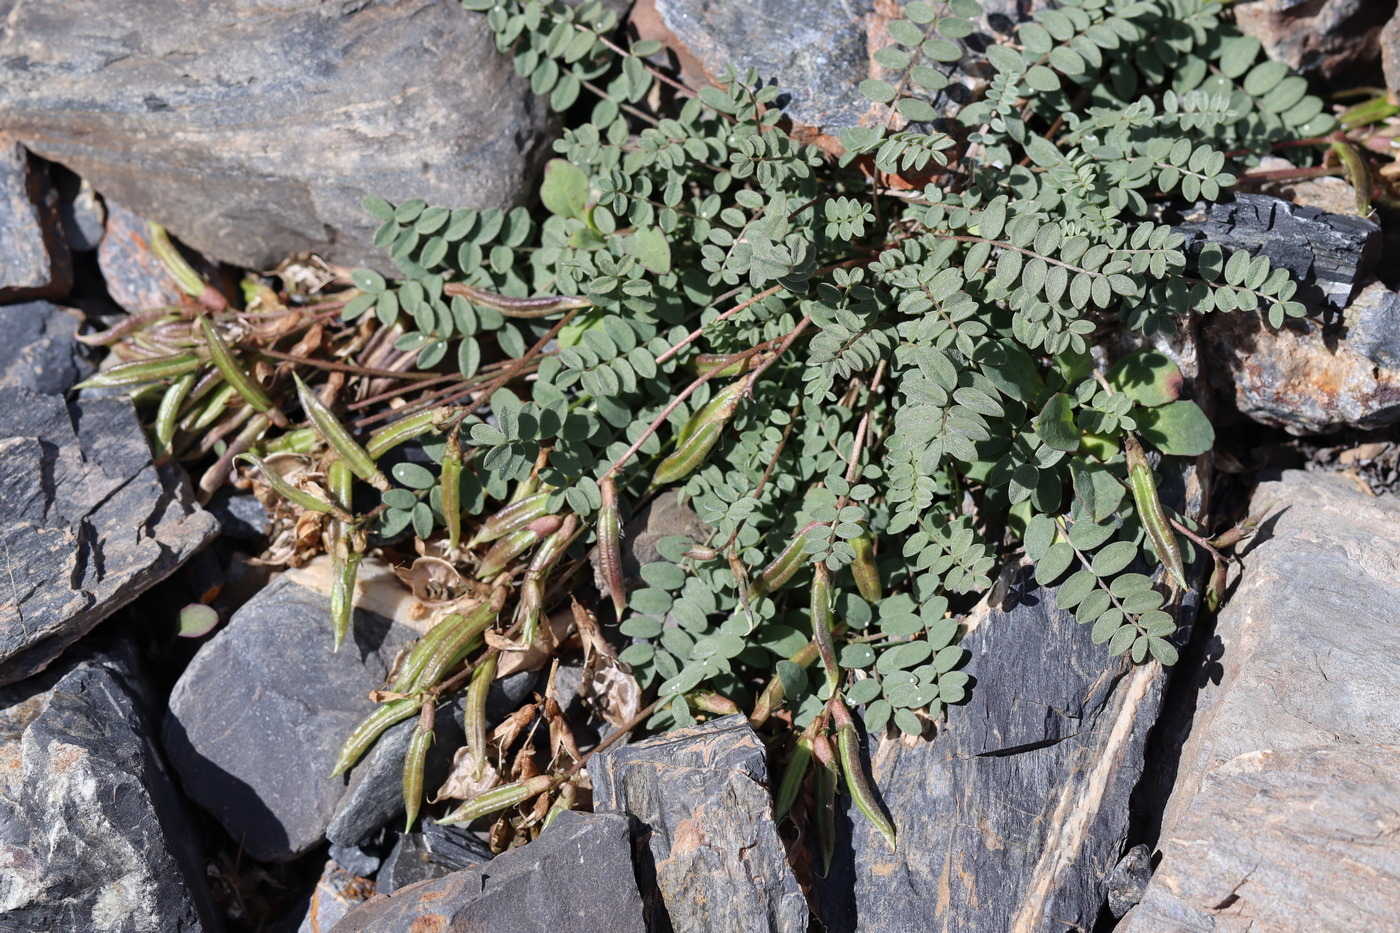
[(875, 377)]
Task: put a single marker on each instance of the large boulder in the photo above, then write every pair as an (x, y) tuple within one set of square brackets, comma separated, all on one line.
[(1283, 815), (252, 129)]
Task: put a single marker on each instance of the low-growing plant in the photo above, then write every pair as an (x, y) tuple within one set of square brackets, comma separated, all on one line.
[(875, 377)]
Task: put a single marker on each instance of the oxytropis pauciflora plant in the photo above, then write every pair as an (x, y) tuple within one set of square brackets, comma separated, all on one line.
[(875, 377)]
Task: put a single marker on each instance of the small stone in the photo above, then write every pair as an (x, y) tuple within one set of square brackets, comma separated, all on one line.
[(358, 861), (575, 878), (135, 278), (455, 847), (1373, 325), (93, 835), (90, 521), (709, 856), (41, 351), (1325, 38), (337, 892), (257, 720), (34, 259), (80, 208), (409, 863), (1129, 879), (1284, 811), (241, 516)]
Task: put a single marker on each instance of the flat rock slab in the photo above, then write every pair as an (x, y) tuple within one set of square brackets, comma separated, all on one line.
[(34, 257), (1286, 812), (92, 831), (1328, 254), (575, 878), (252, 130), (1014, 816), (40, 351), (90, 522), (1324, 37), (257, 720), (706, 849)]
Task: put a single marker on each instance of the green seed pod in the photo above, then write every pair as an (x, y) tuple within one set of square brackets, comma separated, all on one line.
[(414, 765), (1149, 506), (857, 781), (451, 483), (607, 556), (824, 815), (334, 434), (295, 441), (700, 434), (405, 429), (1215, 590), (474, 714), (244, 384), (213, 408), (821, 625), (507, 795), (167, 414), (190, 281), (568, 795), (772, 696), (345, 556), (796, 770), (863, 568), (783, 567), (461, 638), (293, 494), (516, 543), (512, 518), (411, 670), (141, 372), (373, 725), (531, 602)]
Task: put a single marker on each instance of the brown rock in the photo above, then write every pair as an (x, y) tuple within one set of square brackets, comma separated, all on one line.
[(135, 278), (1317, 37)]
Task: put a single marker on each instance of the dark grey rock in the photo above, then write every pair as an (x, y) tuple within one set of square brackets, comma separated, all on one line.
[(90, 521), (706, 848), (1129, 879), (34, 259), (1013, 817), (374, 798), (337, 892), (134, 277), (83, 214), (40, 351), (241, 516), (1325, 38), (356, 860), (575, 878), (1283, 812), (93, 835), (258, 718), (1328, 254), (455, 847), (252, 131), (435, 852), (1373, 326)]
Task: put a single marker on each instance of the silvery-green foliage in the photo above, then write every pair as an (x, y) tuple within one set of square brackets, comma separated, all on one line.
[(938, 330)]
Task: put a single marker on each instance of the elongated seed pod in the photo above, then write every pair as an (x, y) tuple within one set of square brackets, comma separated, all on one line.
[(772, 696), (460, 639), (516, 543), (699, 435), (451, 482), (245, 385), (782, 568), (168, 412), (215, 476), (1149, 507), (295, 441), (857, 781), (536, 575), (414, 764), (507, 795), (345, 557), (863, 567), (141, 372), (512, 517), (474, 713), (795, 772), (190, 281), (370, 728), (539, 306), (1215, 590), (129, 324), (824, 817), (405, 429), (294, 494), (334, 434), (821, 625), (568, 796), (706, 362), (412, 667), (711, 702), (608, 554), (213, 409)]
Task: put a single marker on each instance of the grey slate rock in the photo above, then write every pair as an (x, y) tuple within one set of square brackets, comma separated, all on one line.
[(1128, 880), (374, 797), (1013, 817), (1329, 254), (1323, 38), (435, 852), (34, 258), (455, 847), (252, 130), (258, 718), (40, 351), (337, 892), (575, 878), (357, 860), (135, 279), (706, 849), (1283, 813), (90, 521), (93, 835), (83, 214), (1373, 326), (241, 516)]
